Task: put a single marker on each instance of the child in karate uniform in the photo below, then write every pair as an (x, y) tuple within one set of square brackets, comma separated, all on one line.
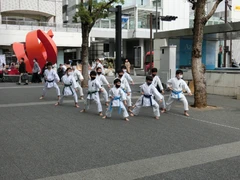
[(176, 85), (126, 88), (118, 99), (94, 87), (51, 79), (79, 78), (70, 87), (158, 84), (146, 99), (102, 79)]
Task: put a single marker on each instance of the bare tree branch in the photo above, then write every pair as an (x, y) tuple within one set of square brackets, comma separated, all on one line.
[(193, 3), (214, 8)]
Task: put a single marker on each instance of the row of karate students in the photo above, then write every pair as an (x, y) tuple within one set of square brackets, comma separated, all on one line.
[(120, 94)]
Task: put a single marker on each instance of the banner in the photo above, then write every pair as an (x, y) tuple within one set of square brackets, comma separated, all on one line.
[(124, 20)]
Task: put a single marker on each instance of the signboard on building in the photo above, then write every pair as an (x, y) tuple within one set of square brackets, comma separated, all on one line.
[(237, 8)]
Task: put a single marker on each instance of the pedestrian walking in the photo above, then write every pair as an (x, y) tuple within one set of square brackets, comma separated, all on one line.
[(23, 73), (36, 72)]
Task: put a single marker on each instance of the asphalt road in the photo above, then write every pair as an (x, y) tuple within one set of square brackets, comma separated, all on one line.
[(41, 141)]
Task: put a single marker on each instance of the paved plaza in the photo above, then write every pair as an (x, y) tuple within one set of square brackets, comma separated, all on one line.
[(44, 142)]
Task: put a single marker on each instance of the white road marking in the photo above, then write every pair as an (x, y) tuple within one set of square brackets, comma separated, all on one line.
[(156, 165), (205, 121)]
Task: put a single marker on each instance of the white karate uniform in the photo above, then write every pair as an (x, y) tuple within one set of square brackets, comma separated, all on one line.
[(147, 99), (69, 88), (78, 77), (157, 82), (126, 88), (128, 77), (118, 96), (93, 94), (177, 93), (95, 66), (51, 78), (102, 79)]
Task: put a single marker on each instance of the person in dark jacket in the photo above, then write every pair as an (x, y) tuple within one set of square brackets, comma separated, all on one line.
[(23, 74)]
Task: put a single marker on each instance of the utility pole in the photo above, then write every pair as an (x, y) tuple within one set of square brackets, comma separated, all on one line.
[(225, 37), (151, 56), (118, 42), (156, 22)]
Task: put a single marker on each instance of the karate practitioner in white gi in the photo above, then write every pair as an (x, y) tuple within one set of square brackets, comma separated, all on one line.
[(98, 64), (117, 100), (94, 87), (51, 79), (102, 79), (79, 78), (69, 88), (176, 85), (126, 75), (146, 99), (126, 88), (158, 84)]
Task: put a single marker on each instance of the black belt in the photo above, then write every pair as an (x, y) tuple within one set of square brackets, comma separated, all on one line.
[(67, 85), (147, 96), (50, 81)]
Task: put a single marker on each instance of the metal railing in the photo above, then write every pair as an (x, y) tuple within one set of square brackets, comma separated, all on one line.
[(31, 25)]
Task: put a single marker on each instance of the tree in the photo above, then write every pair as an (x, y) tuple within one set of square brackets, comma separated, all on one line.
[(88, 13), (198, 69)]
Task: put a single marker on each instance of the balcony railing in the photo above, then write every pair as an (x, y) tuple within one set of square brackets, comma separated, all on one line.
[(31, 25)]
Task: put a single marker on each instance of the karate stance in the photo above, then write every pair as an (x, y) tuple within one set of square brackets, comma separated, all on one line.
[(102, 79), (117, 97), (70, 87), (158, 84), (98, 64), (79, 78), (126, 88), (126, 75), (146, 99), (94, 87), (176, 85), (51, 79)]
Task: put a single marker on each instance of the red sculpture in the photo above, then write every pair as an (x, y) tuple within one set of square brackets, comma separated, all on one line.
[(38, 45)]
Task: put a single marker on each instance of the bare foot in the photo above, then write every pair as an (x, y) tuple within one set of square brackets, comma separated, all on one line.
[(106, 104), (81, 98), (126, 119), (104, 117), (157, 117), (57, 104), (82, 111), (41, 98), (132, 114), (100, 114), (163, 111), (76, 105), (186, 114), (129, 110)]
